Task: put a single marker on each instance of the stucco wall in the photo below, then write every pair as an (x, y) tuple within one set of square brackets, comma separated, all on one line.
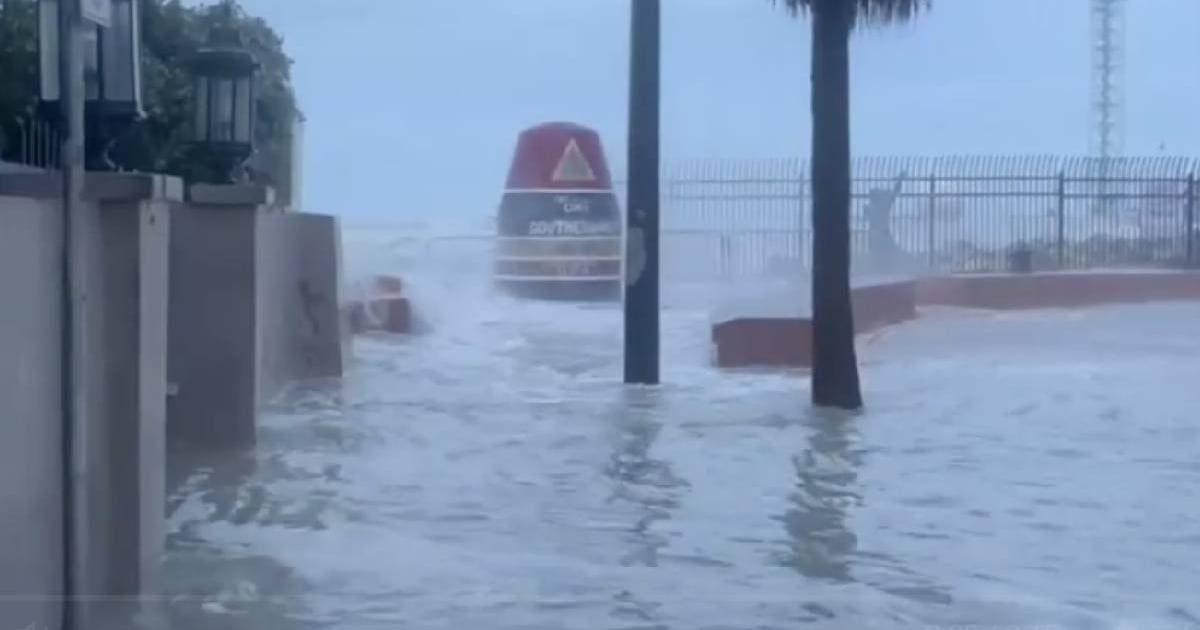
[(213, 332), (125, 224), (263, 286), (30, 413), (254, 305), (300, 322)]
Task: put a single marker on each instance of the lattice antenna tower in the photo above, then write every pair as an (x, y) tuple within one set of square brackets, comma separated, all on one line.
[(1108, 77)]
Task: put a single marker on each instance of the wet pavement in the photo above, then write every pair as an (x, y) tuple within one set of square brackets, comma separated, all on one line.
[(1036, 469)]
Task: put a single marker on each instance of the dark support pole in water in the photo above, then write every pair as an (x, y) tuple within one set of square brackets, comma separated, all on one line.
[(641, 213)]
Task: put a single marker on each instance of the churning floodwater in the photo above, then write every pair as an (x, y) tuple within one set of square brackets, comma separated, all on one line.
[(1026, 470)]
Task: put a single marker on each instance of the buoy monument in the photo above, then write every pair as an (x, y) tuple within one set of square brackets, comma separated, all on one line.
[(559, 227)]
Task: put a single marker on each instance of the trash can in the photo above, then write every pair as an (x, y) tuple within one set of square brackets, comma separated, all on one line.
[(1020, 259)]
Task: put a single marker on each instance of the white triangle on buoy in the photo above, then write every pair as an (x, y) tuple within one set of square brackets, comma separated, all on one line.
[(573, 166)]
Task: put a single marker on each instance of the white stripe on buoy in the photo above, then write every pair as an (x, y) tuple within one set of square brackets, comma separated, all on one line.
[(565, 239), (558, 258), (558, 191), (508, 278)]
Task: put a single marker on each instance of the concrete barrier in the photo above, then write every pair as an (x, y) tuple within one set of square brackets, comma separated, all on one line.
[(384, 308), (787, 341), (884, 304), (1059, 289), (126, 221)]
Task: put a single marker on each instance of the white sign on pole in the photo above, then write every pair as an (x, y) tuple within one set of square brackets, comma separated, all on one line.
[(98, 12)]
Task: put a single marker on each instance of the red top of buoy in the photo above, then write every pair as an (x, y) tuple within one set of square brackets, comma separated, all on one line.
[(559, 156)]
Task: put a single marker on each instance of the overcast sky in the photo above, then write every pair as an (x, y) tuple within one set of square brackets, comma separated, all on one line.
[(414, 105)]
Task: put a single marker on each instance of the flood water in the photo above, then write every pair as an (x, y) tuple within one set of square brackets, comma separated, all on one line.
[(1029, 470)]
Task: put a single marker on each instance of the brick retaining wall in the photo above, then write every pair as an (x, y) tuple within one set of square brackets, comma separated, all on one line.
[(787, 341)]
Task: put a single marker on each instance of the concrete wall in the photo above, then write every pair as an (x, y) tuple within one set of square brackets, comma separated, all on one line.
[(250, 299), (254, 305), (126, 227), (213, 332), (13, 167), (30, 414), (303, 334), (787, 341), (1060, 289)]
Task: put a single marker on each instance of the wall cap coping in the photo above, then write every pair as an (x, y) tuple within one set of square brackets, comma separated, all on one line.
[(231, 195), (96, 186)]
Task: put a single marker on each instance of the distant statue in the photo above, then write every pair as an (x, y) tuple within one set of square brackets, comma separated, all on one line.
[(884, 255)]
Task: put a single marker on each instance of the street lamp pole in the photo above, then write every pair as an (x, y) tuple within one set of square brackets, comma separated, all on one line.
[(642, 211), (71, 100)]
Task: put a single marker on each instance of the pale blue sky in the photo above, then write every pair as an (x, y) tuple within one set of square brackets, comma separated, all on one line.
[(414, 105)]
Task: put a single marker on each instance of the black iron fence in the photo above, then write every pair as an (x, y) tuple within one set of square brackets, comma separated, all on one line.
[(968, 213), (31, 143)]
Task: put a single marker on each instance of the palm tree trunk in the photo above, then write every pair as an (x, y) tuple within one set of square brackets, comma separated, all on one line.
[(835, 366)]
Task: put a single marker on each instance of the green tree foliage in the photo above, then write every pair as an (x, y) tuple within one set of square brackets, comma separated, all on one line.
[(835, 381), (18, 66), (171, 34), (865, 11)]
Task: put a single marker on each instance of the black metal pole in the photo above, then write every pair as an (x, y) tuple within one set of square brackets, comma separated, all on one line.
[(1190, 220), (1061, 220), (72, 95), (642, 212)]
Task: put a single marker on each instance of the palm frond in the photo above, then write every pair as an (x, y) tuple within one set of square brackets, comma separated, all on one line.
[(865, 11)]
